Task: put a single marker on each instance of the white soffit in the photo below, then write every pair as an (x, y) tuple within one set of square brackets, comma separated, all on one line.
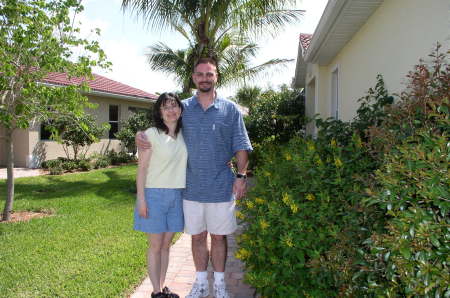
[(340, 20)]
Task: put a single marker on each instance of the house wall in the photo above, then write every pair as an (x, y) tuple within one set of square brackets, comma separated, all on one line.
[(21, 147), (317, 77), (46, 149), (392, 41)]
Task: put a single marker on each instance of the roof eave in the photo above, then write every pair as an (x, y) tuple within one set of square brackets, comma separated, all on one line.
[(300, 68), (330, 15), (333, 32), (111, 95)]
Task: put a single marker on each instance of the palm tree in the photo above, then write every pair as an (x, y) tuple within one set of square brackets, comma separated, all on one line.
[(220, 29), (234, 56)]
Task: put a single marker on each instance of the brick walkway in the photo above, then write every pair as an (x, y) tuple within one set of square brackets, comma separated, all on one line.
[(181, 272)]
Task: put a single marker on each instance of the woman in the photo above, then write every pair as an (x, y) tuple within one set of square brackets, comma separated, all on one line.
[(160, 179)]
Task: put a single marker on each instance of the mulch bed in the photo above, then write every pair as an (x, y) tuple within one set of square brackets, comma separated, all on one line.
[(26, 216)]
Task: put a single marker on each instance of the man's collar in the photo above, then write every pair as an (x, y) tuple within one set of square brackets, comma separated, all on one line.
[(215, 102)]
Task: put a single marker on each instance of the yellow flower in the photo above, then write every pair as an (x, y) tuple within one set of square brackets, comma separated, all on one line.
[(358, 142), (286, 198), (244, 237), (264, 225), (287, 156), (288, 241), (337, 162), (318, 161), (240, 215), (294, 208), (267, 174), (310, 197), (242, 254), (311, 147), (333, 143), (250, 205), (259, 201)]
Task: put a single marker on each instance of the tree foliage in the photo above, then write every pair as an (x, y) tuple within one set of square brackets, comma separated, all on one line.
[(38, 37), (129, 128), (213, 28), (78, 135), (276, 114), (248, 95)]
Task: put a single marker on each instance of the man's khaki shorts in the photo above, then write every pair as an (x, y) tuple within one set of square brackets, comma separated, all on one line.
[(216, 218)]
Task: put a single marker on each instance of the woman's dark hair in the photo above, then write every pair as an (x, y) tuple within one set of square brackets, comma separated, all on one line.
[(157, 117)]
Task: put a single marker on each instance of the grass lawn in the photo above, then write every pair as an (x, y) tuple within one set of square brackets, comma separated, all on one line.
[(86, 249)]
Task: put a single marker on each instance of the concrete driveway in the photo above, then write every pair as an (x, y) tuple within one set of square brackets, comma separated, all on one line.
[(23, 172)]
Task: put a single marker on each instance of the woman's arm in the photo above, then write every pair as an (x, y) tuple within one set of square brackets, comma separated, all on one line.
[(143, 163)]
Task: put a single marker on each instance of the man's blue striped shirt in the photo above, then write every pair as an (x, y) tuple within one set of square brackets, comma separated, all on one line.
[(212, 138)]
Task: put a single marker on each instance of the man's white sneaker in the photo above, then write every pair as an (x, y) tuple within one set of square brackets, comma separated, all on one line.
[(220, 291), (199, 290)]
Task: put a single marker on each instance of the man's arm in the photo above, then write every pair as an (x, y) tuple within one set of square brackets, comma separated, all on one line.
[(141, 141), (240, 184)]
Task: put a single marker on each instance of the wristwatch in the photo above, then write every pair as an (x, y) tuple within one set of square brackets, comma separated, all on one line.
[(241, 176)]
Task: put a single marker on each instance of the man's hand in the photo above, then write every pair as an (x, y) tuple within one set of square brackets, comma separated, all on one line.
[(141, 141), (239, 188)]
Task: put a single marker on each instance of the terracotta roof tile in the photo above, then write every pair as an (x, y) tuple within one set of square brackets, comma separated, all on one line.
[(305, 40), (99, 83)]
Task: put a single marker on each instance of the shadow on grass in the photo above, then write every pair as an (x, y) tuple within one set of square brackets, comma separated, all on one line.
[(117, 185)]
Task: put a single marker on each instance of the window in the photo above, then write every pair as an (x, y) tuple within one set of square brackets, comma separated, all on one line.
[(138, 110), (113, 121), (45, 132), (335, 94)]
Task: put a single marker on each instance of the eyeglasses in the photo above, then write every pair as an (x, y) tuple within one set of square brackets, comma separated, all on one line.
[(168, 108), (208, 75)]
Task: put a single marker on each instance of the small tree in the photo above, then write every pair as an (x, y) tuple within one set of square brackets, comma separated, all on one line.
[(278, 114), (78, 136), (248, 95), (37, 37), (137, 122)]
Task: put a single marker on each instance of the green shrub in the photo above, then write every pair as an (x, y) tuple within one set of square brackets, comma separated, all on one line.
[(305, 205), (411, 257), (278, 114), (51, 163), (121, 157), (69, 165), (305, 216), (373, 110), (363, 210), (274, 116), (102, 162), (54, 166), (85, 165), (129, 128)]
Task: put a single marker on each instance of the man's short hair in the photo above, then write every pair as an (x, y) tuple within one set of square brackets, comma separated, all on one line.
[(205, 61)]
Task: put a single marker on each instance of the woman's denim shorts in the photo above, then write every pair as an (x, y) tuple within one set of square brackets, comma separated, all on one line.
[(164, 209)]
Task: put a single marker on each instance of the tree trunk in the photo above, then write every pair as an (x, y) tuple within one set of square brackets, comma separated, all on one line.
[(10, 174)]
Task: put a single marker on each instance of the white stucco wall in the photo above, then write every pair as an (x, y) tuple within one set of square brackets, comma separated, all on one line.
[(392, 41)]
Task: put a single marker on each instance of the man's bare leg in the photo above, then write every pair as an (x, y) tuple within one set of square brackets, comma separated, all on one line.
[(219, 248), (200, 251)]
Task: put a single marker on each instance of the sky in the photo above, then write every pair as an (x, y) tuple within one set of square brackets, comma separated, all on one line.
[(125, 40)]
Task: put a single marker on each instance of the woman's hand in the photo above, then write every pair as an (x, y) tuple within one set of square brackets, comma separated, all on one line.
[(142, 208)]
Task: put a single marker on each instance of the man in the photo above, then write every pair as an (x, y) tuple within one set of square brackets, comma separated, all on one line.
[(214, 132)]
